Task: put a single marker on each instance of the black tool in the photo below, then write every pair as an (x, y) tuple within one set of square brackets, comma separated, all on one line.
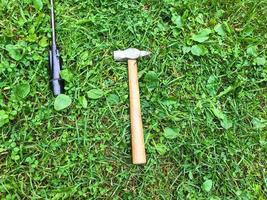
[(57, 84)]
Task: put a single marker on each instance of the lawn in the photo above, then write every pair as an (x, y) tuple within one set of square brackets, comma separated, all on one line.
[(203, 98)]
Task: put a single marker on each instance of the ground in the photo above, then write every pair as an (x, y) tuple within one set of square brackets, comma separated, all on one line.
[(203, 94)]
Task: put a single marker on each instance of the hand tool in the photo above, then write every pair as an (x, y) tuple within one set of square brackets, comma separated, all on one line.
[(137, 135), (57, 84)]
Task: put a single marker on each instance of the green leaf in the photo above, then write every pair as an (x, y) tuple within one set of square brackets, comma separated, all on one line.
[(177, 20), (219, 13), (83, 101), (170, 133), (161, 148), (151, 76), (4, 65), (207, 185), (38, 4), (260, 61), (198, 50), (95, 94), (113, 99), (3, 118), (61, 102), (22, 90), (218, 113), (84, 56), (219, 29), (226, 123), (200, 18), (14, 52), (259, 123), (252, 51), (212, 85), (32, 38), (202, 35), (151, 79), (43, 42), (66, 75), (169, 102), (186, 49), (15, 157)]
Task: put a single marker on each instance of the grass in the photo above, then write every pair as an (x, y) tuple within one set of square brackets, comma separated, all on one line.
[(203, 94)]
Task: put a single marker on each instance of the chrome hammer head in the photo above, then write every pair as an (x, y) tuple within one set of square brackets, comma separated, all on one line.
[(129, 54)]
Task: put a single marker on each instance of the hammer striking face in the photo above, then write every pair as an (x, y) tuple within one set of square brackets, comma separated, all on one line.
[(137, 135), (130, 54)]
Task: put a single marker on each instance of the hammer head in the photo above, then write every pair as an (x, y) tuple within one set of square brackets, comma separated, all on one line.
[(129, 54)]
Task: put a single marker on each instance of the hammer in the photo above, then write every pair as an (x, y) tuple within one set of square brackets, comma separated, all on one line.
[(137, 135)]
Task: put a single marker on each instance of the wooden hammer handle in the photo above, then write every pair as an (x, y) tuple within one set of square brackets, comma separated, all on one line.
[(137, 135)]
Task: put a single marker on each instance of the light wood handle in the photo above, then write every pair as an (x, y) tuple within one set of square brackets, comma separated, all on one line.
[(137, 135)]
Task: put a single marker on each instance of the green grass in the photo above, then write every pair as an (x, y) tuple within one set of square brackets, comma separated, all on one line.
[(203, 102)]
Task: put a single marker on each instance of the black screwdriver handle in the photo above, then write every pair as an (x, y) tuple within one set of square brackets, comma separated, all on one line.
[(57, 84)]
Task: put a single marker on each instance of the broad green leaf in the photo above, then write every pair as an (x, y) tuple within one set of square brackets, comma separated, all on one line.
[(43, 42), (247, 31), (219, 13), (177, 20), (22, 90), (161, 148), (252, 51), (207, 185), (3, 118), (66, 75), (186, 49), (226, 123), (151, 79), (259, 123), (219, 29), (14, 52), (84, 56), (38, 4), (198, 50), (113, 99), (151, 76), (260, 61), (200, 18), (36, 57), (202, 35), (61, 102), (32, 38), (95, 94), (15, 157), (161, 27), (170, 101), (83, 101), (4, 65), (263, 143), (29, 160), (170, 133)]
